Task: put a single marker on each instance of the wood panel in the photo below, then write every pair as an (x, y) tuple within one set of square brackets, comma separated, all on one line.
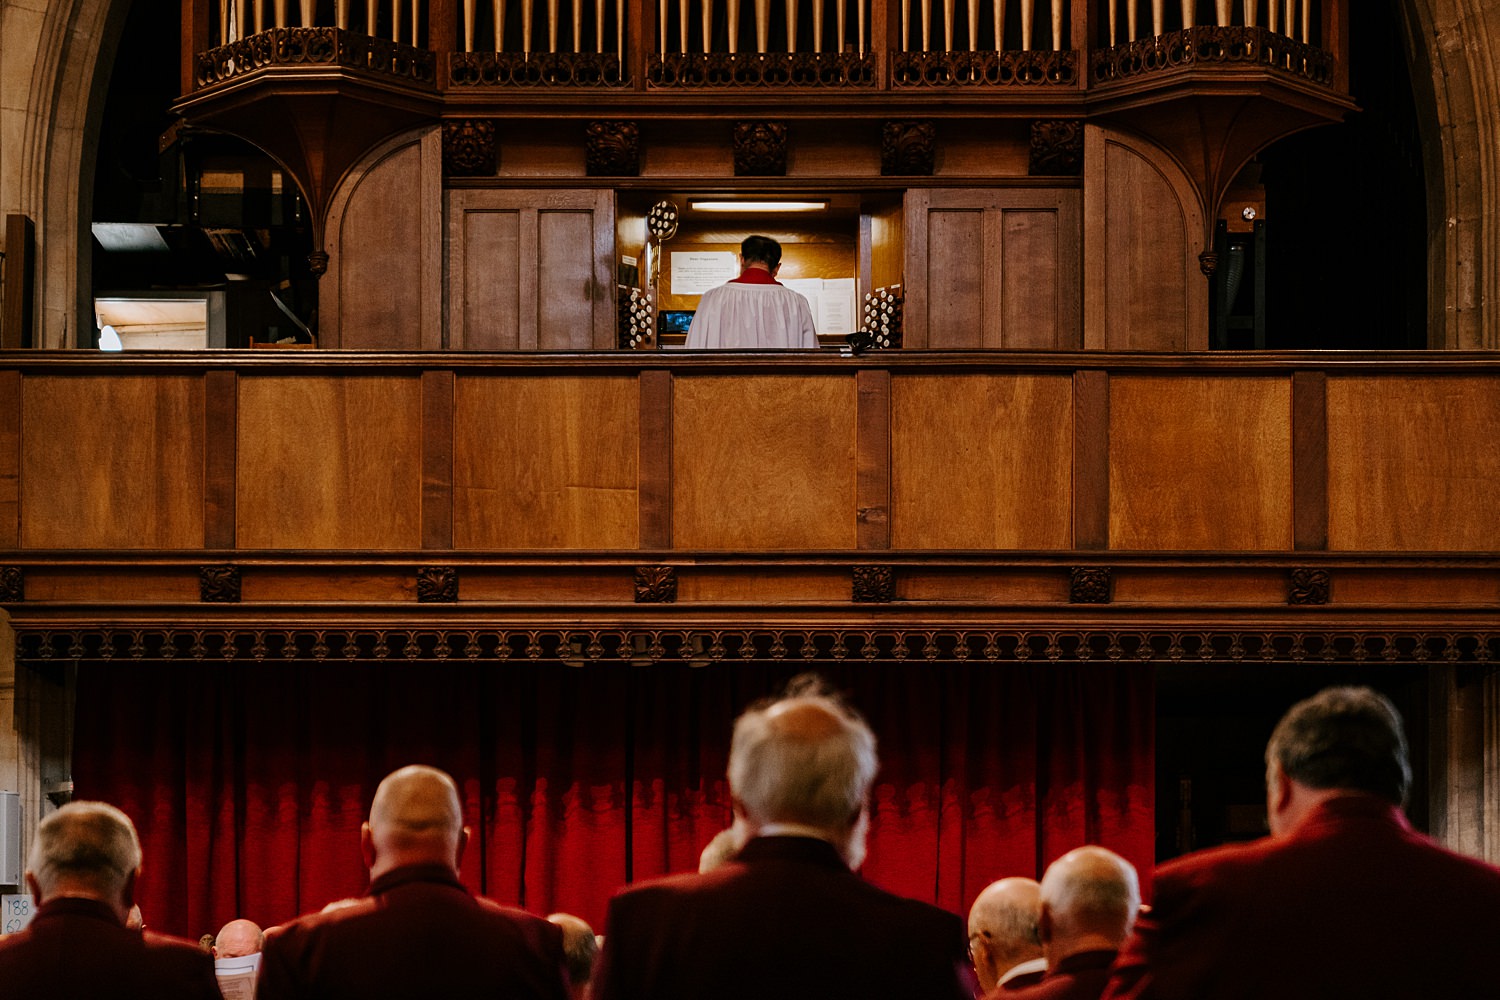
[(546, 462), (1143, 229), (1310, 460), (112, 461), (108, 584), (1418, 587), (764, 463), (703, 585), (10, 459), (656, 460), (1412, 463), (533, 586), (1001, 269), (994, 587), (328, 584), (962, 477), (1200, 587), (873, 462), (437, 460), (531, 270), (1091, 460), (383, 289), (330, 462), (221, 422), (1200, 463)]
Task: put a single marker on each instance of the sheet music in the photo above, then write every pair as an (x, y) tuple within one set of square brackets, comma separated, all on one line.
[(237, 976)]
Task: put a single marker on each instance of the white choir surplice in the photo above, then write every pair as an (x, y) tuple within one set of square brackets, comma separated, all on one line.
[(752, 314)]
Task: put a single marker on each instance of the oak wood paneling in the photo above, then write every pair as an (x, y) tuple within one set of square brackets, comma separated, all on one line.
[(961, 475), (96, 584), (1091, 460), (1200, 463), (1310, 460), (996, 268), (330, 462), (764, 463), (1419, 587), (323, 584), (873, 472), (112, 462), (10, 459), (546, 462), (534, 586), (1412, 463), (702, 585), (1008, 587)]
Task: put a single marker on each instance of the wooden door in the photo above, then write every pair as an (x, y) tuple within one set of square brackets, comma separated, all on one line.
[(530, 270), (995, 267)]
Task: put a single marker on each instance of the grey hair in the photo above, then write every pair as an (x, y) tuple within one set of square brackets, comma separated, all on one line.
[(89, 841), (1093, 887), (781, 775), (1344, 738)]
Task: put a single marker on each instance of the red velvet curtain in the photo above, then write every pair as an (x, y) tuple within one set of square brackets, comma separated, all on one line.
[(248, 782)]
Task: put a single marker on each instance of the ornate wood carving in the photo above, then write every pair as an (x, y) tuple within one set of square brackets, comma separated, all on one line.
[(219, 584), (437, 585), (713, 642), (655, 585), (759, 149), (614, 149), (1212, 44), (1056, 148), (1037, 68), (469, 148), (1090, 585), (908, 148), (771, 69), (1309, 586), (874, 584), (536, 69), (12, 585), (300, 47)]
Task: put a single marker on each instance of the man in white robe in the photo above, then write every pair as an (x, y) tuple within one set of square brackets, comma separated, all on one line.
[(754, 310)]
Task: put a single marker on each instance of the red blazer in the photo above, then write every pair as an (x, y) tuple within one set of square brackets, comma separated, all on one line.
[(1077, 977), (419, 933), (786, 919), (78, 949), (1352, 903)]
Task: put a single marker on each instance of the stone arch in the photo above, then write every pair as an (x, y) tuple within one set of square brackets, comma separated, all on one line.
[(72, 48), (1455, 44)]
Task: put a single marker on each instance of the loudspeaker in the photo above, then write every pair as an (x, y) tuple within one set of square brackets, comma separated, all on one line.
[(10, 838)]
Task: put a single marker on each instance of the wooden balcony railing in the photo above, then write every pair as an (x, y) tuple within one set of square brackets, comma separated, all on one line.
[(797, 43)]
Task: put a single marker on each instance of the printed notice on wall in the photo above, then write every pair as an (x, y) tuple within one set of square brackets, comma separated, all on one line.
[(831, 301), (695, 272)]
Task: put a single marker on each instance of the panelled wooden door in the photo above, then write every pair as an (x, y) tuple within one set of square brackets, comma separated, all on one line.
[(530, 270), (992, 268)]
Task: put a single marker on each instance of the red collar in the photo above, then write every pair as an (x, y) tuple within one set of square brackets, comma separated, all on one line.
[(755, 276)]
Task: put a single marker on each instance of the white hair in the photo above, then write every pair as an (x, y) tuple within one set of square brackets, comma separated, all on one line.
[(785, 774), (1092, 888), (87, 841)]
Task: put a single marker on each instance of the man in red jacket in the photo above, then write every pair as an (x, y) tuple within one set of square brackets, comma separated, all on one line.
[(1342, 900), (419, 932), (81, 873), (787, 916)]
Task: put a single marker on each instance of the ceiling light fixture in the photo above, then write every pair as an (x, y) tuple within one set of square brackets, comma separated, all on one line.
[(758, 206)]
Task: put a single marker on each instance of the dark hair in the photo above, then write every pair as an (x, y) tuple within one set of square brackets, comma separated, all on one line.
[(761, 250), (1345, 738)]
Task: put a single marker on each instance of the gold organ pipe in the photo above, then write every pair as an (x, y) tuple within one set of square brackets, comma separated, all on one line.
[(370, 15), (926, 25), (1306, 21), (706, 8), (281, 13), (733, 13), (682, 25), (1250, 13), (307, 12), (905, 25), (619, 32), (1114, 24), (762, 25), (1057, 25), (947, 25), (553, 17), (395, 20), (1224, 12), (842, 15), (817, 7), (1000, 25), (1291, 17), (223, 22), (1187, 13), (1158, 17), (598, 28), (1132, 17), (239, 18), (661, 17), (578, 25), (1026, 15), (973, 11), (1275, 18), (499, 6), (859, 9), (527, 19), (260, 16)]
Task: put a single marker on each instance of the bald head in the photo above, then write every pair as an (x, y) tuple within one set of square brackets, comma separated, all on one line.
[(237, 939), (1090, 898), (580, 950), (1003, 928), (416, 818)]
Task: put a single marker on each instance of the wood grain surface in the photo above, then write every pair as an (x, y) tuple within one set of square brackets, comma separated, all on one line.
[(964, 477), (1413, 463), (330, 462), (119, 465), (1200, 463), (546, 462), (764, 463)]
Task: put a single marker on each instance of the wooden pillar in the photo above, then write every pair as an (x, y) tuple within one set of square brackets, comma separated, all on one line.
[(195, 39), (1464, 741)]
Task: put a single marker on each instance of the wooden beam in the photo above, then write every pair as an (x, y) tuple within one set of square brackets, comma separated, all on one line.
[(1091, 459), (873, 459), (220, 457), (655, 463), (1309, 460), (437, 460), (10, 460)]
